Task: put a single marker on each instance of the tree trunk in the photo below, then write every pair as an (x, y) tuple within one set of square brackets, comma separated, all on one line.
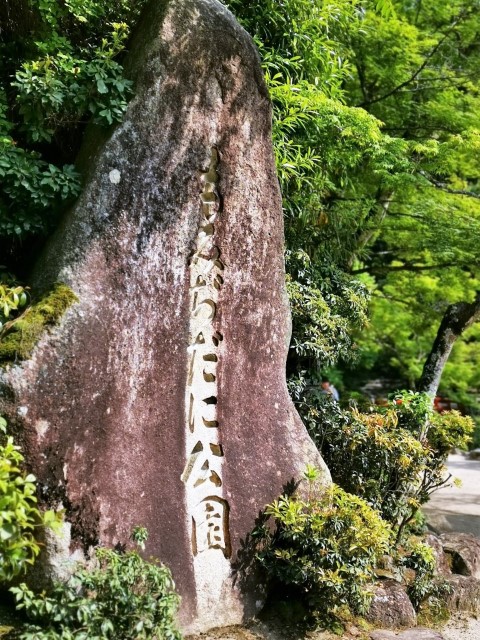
[(457, 318)]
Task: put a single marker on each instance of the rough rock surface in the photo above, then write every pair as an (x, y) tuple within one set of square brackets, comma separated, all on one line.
[(442, 565), (474, 454), (160, 400), (465, 594), (391, 606), (464, 551)]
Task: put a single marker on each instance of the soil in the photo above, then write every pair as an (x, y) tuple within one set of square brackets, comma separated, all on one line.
[(462, 628), (458, 628)]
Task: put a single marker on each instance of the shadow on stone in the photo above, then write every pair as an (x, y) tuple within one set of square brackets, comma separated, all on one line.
[(246, 570)]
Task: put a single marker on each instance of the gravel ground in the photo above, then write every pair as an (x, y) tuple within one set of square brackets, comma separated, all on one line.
[(462, 629), (457, 508), (458, 628)]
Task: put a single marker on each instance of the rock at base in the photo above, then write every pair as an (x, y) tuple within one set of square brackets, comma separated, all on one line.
[(442, 565), (463, 550), (465, 594), (391, 607)]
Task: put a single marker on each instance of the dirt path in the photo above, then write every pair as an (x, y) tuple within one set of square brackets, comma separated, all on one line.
[(457, 509), (460, 628)]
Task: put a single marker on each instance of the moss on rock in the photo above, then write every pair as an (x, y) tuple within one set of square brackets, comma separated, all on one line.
[(20, 337)]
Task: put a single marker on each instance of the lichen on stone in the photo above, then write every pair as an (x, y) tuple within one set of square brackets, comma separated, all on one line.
[(20, 336)]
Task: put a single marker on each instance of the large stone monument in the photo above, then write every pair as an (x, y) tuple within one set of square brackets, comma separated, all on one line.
[(160, 398)]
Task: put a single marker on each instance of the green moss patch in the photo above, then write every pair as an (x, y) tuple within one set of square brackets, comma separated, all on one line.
[(20, 337)]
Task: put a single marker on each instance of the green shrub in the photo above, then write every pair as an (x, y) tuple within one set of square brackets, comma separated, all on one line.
[(326, 304), (19, 514), (124, 598), (368, 454), (413, 410), (450, 430), (12, 298), (60, 66), (426, 586), (324, 548), (417, 526), (394, 457)]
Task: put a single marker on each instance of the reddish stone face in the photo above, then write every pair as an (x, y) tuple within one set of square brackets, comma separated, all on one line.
[(160, 400)]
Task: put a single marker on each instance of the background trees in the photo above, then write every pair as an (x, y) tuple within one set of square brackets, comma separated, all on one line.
[(424, 257), (376, 128), (376, 133)]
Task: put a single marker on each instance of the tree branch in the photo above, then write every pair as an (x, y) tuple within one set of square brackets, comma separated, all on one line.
[(420, 68), (444, 187), (456, 319), (376, 215)]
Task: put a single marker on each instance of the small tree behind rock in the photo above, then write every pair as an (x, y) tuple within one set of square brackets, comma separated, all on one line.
[(388, 456)]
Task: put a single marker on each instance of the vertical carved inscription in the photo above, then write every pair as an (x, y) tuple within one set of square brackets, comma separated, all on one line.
[(203, 470)]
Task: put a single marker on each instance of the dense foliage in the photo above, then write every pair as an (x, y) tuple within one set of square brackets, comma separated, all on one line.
[(395, 455), (420, 558), (19, 514), (58, 69), (376, 121), (326, 305), (124, 597), (324, 548)]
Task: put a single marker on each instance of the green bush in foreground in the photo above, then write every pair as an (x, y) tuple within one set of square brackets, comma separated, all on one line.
[(124, 598), (324, 548), (19, 514)]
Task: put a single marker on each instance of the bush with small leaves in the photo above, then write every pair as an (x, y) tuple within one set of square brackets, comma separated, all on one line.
[(324, 548), (60, 66), (426, 585), (125, 598), (393, 457), (450, 430)]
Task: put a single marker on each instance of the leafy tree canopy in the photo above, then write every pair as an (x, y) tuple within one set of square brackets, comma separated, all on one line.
[(376, 128), (59, 68)]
